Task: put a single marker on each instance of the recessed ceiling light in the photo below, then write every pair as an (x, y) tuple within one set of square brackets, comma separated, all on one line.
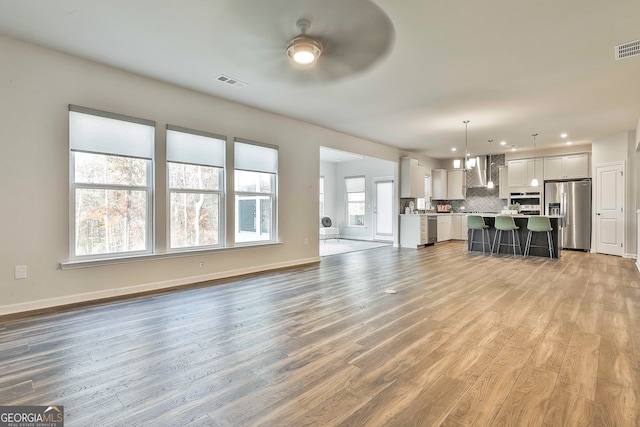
[(503, 143), (454, 149), (564, 135), (569, 142)]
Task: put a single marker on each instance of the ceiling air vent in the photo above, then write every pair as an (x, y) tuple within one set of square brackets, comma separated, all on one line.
[(231, 81), (626, 50)]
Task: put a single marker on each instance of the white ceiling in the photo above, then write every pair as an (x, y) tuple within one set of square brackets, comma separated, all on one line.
[(510, 67)]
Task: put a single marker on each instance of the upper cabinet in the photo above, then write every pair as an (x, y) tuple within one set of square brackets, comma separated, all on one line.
[(439, 184), (522, 171), (448, 184), (567, 167), (411, 178), (456, 185)]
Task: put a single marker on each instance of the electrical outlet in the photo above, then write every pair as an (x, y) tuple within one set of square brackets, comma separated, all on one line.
[(201, 265), (20, 272), (306, 241)]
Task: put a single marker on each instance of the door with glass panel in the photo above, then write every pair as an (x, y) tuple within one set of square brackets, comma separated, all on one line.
[(383, 209)]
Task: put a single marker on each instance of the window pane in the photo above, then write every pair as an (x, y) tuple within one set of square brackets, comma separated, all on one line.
[(355, 197), (194, 177), (253, 218), (110, 221), (105, 169), (195, 219), (355, 212), (253, 182)]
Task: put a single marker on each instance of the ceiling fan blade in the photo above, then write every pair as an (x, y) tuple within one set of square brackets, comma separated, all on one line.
[(355, 34)]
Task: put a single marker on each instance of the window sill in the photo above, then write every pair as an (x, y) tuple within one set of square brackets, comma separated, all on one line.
[(71, 265)]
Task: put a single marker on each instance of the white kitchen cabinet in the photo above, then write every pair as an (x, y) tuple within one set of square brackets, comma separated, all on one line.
[(521, 172), (444, 227), (414, 230), (456, 185), (439, 184), (411, 178), (458, 227), (567, 167), (503, 182)]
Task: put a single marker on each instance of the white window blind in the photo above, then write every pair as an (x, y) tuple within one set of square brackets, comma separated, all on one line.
[(256, 158), (197, 148), (100, 132), (354, 185)]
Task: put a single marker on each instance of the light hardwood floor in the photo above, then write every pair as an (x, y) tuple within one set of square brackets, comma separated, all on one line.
[(468, 340)]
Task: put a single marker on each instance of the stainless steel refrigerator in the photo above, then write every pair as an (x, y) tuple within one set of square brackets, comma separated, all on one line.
[(572, 200)]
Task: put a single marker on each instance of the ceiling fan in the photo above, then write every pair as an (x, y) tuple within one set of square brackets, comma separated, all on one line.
[(336, 38)]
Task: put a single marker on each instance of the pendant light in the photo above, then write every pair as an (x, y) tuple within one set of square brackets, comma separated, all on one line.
[(534, 180), (468, 163), (490, 182)]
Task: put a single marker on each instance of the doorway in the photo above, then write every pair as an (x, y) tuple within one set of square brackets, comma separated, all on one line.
[(383, 209)]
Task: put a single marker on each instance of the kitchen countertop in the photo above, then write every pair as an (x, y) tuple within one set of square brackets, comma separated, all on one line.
[(491, 215)]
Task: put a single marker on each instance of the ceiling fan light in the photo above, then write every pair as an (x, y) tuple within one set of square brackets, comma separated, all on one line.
[(304, 50)]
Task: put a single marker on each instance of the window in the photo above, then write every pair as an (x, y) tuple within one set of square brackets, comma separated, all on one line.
[(321, 196), (195, 176), (424, 203), (111, 175), (255, 173), (355, 187)]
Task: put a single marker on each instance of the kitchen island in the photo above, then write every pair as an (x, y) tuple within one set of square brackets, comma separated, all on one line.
[(539, 239)]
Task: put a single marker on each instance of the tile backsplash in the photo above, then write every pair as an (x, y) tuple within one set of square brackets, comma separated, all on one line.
[(479, 199), (482, 199)]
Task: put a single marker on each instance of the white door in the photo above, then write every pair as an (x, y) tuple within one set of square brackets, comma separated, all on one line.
[(383, 210), (610, 209)]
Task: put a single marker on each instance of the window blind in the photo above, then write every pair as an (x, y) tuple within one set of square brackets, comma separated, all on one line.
[(256, 158), (184, 146), (101, 132)]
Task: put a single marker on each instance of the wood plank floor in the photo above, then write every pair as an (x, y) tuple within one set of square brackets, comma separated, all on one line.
[(468, 340)]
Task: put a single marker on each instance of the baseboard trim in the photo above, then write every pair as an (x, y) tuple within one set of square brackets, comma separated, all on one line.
[(147, 287)]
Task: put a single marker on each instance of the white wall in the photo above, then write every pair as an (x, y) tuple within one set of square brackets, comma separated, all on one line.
[(37, 85), (328, 171), (370, 169)]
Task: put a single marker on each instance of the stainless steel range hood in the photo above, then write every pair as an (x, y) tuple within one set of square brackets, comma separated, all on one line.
[(477, 176)]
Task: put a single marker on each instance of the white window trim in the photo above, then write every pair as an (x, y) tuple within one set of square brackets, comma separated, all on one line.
[(273, 195), (149, 188), (347, 202), (222, 237)]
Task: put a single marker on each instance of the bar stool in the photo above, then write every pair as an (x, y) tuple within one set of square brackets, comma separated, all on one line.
[(476, 222), (506, 223), (539, 224)]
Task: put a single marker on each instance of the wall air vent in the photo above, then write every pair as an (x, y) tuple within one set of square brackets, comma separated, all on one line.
[(231, 81), (626, 50)]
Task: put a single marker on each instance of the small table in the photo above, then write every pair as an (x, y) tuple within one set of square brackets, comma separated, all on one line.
[(329, 233)]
